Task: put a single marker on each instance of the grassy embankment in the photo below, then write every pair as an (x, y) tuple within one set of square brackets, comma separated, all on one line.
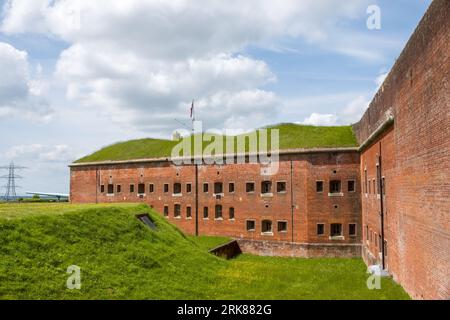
[(121, 258)]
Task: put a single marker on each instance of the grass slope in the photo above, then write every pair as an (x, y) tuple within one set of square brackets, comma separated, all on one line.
[(120, 258), (291, 136)]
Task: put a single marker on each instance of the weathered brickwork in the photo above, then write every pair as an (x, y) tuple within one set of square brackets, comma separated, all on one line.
[(292, 206), (415, 153)]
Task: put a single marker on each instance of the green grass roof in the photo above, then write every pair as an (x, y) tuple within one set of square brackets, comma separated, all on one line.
[(292, 136)]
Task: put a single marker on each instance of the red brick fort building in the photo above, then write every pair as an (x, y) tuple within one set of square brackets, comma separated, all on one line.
[(385, 198)]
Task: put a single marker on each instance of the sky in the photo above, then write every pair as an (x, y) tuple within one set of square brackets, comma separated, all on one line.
[(77, 75)]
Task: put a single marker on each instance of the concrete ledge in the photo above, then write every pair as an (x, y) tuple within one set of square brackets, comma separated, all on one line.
[(300, 250)]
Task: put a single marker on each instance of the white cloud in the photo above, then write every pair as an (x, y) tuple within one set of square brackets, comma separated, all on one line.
[(19, 94), (317, 119), (142, 62), (41, 153)]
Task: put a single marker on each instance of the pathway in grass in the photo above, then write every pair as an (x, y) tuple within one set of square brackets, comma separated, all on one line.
[(121, 258)]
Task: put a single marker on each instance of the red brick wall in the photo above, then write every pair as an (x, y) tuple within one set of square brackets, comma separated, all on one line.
[(309, 207), (416, 154)]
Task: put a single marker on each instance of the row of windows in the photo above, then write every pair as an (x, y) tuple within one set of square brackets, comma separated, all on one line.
[(266, 187), (266, 226), (372, 186), (335, 186), (336, 229), (218, 212), (375, 239)]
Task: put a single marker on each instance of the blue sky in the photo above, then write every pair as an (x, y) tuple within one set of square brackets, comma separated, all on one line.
[(78, 75)]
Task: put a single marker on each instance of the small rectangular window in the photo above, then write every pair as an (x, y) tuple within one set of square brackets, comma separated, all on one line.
[(231, 213), (374, 187), (351, 185), (166, 211), (151, 188), (335, 186), (367, 233), (251, 225), (282, 226), (141, 188), (177, 211), (266, 187), (320, 229), (110, 189), (352, 229), (319, 186), (102, 188), (383, 184), (166, 187), (266, 226), (188, 212), (205, 213), (205, 187), (365, 180), (177, 188), (218, 187), (131, 188), (231, 187), (218, 211), (118, 188), (188, 187), (385, 248), (281, 186), (250, 187), (336, 230)]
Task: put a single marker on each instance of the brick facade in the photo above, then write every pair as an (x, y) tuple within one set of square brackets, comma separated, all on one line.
[(415, 152), (293, 206)]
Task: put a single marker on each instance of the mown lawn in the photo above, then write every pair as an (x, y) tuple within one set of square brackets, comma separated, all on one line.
[(120, 258)]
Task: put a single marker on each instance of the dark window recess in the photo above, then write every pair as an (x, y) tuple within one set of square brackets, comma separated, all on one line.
[(166, 211), (205, 212), (335, 186), (144, 218), (266, 226), (383, 184), (281, 186), (119, 188), (266, 187), (131, 188), (151, 188), (320, 229), (188, 212), (365, 181), (251, 225), (282, 226), (379, 242), (367, 233), (374, 186), (218, 211), (205, 187), (352, 229), (177, 210), (231, 213), (370, 191), (141, 188), (110, 188), (188, 188), (250, 187), (231, 187), (319, 186), (336, 230), (166, 187), (102, 188), (177, 188), (218, 187), (351, 186)]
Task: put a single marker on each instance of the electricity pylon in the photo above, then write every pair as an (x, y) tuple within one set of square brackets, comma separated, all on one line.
[(10, 194)]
